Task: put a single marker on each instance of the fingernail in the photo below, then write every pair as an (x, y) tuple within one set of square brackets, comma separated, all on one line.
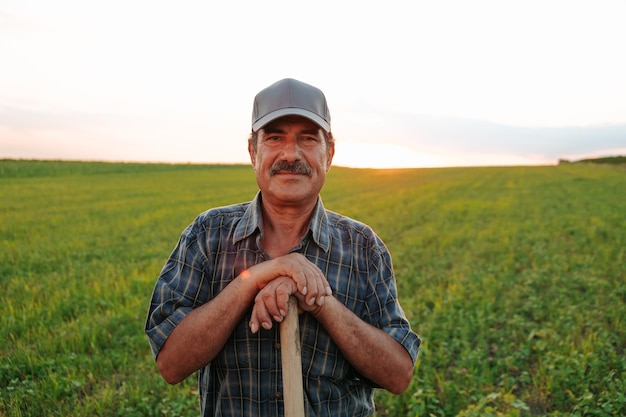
[(282, 313), (266, 325), (253, 327), (321, 300), (311, 301), (304, 291), (278, 319), (329, 291)]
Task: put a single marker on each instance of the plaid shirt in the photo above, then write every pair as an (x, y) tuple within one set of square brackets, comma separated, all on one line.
[(245, 380)]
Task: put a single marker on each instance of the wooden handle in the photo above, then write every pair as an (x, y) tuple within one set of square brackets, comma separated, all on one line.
[(292, 362)]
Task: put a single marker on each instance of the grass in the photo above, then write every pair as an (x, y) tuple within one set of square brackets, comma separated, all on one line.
[(514, 277)]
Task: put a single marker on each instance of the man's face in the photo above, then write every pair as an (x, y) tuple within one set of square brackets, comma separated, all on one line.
[(291, 161)]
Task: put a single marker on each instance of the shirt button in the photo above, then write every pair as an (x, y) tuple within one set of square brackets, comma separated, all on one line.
[(277, 395), (277, 346)]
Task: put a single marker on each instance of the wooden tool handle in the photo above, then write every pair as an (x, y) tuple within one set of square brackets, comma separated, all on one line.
[(292, 362)]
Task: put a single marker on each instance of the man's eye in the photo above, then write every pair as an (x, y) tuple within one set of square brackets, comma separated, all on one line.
[(309, 141)]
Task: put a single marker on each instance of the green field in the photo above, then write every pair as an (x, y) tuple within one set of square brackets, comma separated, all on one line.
[(514, 277)]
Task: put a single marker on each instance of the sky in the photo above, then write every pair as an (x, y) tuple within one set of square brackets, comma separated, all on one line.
[(408, 83)]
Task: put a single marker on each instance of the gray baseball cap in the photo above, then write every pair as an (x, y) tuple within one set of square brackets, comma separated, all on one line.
[(290, 97)]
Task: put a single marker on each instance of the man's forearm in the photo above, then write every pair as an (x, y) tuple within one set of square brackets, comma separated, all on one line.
[(371, 351), (201, 335)]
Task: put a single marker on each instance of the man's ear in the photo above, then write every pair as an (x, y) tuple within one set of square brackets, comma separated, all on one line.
[(252, 154), (331, 153)]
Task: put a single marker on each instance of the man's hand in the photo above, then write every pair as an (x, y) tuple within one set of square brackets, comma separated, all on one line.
[(309, 280), (272, 300), (272, 303)]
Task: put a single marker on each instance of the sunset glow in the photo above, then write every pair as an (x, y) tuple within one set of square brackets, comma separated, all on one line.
[(410, 84), (380, 155)]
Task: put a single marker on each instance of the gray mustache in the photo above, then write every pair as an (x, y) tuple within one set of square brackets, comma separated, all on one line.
[(294, 167)]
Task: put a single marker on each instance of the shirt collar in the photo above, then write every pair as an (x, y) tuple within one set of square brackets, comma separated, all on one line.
[(319, 227), (252, 220)]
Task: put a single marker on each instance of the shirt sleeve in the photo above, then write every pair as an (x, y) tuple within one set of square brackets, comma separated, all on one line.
[(177, 289), (383, 305)]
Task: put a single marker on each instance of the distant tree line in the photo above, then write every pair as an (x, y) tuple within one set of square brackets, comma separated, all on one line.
[(614, 160)]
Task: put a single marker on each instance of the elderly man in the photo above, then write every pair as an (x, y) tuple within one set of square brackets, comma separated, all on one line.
[(229, 278)]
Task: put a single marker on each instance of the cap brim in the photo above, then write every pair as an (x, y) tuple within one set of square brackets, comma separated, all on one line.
[(291, 111)]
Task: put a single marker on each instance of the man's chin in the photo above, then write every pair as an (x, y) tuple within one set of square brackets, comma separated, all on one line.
[(291, 191)]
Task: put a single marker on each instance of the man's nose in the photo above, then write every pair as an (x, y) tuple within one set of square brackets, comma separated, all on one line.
[(291, 150)]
